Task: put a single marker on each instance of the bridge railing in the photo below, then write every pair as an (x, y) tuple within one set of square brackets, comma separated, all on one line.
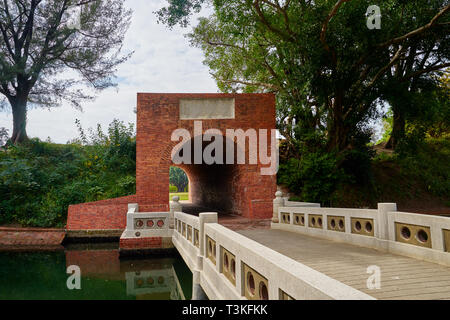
[(187, 234), (146, 224), (249, 270), (231, 266), (416, 235), (188, 226), (426, 236)]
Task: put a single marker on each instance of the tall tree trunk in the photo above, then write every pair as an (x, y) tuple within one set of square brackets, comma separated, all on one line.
[(338, 136), (398, 128), (338, 130), (19, 110)]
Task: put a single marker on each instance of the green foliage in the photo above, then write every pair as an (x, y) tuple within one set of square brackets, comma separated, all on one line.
[(388, 121), (314, 177), (382, 156), (357, 161), (39, 180), (179, 179), (430, 163), (173, 189), (330, 72), (183, 195), (178, 12)]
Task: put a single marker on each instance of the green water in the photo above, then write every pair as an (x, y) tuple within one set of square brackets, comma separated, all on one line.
[(42, 275)]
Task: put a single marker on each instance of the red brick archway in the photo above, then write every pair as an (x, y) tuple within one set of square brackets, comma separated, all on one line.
[(215, 187), (246, 192)]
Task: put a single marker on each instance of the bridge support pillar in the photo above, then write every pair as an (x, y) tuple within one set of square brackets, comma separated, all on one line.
[(383, 227), (197, 291), (277, 202), (174, 206), (205, 217)]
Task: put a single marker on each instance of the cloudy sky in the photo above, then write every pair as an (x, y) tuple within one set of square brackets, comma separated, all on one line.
[(163, 62)]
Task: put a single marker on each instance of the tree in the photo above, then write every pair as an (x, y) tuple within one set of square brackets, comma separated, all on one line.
[(178, 178), (412, 82), (44, 60), (440, 125), (329, 70)]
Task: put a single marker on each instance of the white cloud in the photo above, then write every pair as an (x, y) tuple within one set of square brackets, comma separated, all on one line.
[(163, 62)]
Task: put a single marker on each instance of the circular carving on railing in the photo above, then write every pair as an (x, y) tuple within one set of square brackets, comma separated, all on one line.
[(297, 220), (369, 227), (139, 223), (140, 282), (214, 250), (319, 221), (313, 221), (406, 233), (137, 234), (333, 223), (422, 236), (161, 280), (251, 283), (284, 218), (150, 281), (150, 223), (288, 218), (160, 223), (225, 261), (303, 220), (358, 226), (263, 292), (341, 224), (233, 268)]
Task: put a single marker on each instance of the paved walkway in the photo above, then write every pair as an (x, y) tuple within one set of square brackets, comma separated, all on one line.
[(401, 277), (231, 221)]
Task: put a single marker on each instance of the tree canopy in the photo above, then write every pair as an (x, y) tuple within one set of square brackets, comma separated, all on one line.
[(330, 72), (51, 50)]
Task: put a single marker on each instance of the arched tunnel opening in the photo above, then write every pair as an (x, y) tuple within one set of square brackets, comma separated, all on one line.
[(212, 187)]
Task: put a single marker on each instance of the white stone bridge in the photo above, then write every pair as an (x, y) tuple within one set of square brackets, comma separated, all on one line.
[(309, 252)]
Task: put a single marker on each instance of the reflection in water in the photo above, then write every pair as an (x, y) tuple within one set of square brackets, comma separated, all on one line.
[(155, 282), (146, 278), (42, 275)]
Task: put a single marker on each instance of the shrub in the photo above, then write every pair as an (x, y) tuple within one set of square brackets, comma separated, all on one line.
[(39, 180), (314, 177)]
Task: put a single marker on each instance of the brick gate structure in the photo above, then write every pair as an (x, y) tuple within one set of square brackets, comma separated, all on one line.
[(228, 188)]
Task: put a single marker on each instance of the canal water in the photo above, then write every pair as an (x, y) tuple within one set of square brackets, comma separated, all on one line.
[(42, 275)]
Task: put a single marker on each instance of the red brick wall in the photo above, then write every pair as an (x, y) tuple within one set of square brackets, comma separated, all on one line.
[(99, 215), (157, 118), (94, 262), (141, 243)]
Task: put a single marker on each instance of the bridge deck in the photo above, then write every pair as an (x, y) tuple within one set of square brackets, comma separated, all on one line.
[(401, 277)]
